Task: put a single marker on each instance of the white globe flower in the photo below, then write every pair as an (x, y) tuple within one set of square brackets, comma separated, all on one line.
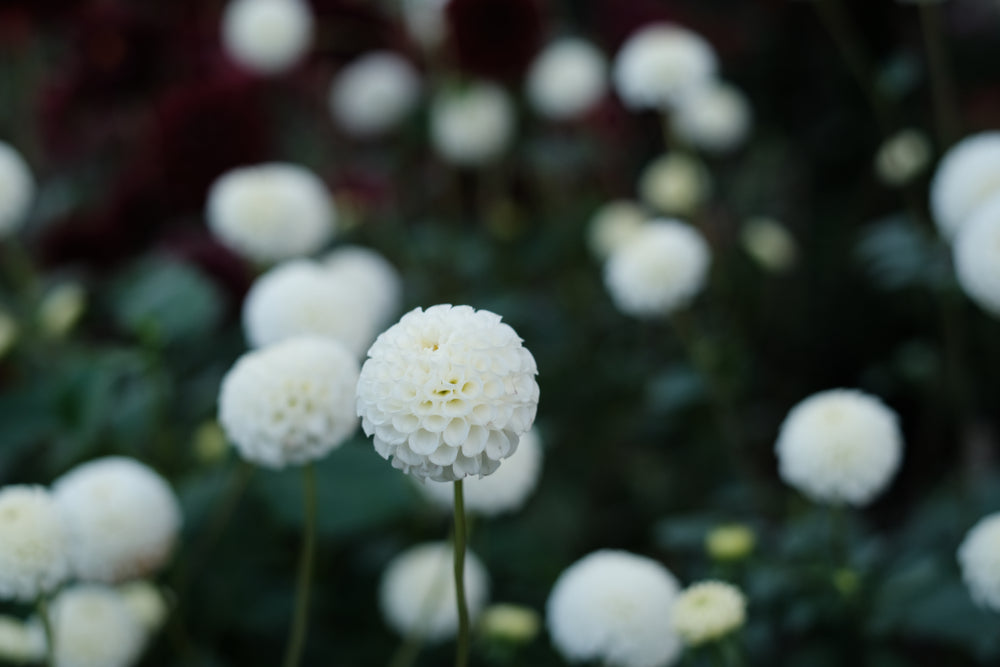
[(21, 643), (613, 225), (840, 446), (567, 79), (674, 184), (34, 552), (967, 176), (417, 591), (291, 402), (473, 126), (977, 256), (661, 63), (425, 21), (17, 190), (659, 270), (267, 36), (92, 626), (902, 157), (272, 211), (146, 603), (708, 611), (447, 392), (122, 516), (769, 243), (614, 607), (715, 117), (374, 93), (369, 275), (504, 491), (979, 558)]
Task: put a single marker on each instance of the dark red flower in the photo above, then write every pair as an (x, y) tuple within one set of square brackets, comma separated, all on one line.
[(495, 38)]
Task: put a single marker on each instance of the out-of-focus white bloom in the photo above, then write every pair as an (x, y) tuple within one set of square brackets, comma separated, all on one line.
[(417, 591), (122, 517), (840, 446), (659, 270), (92, 625), (374, 93), (979, 558), (660, 64), (510, 623), (504, 491), (447, 392), (902, 157), (567, 78), (977, 256), (675, 184), (614, 607), (709, 610), (715, 117), (20, 642), (267, 36), (61, 309), (613, 225), (369, 275), (966, 178), (730, 542), (291, 402), (425, 21), (272, 211), (769, 243), (473, 126), (8, 332), (146, 603), (17, 190), (34, 553)]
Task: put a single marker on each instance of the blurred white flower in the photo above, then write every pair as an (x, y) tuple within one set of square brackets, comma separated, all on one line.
[(613, 225), (8, 332), (675, 184), (447, 392), (291, 402), (21, 643), (270, 212), (769, 243), (92, 626), (661, 63), (966, 178), (425, 21), (417, 591), (17, 190), (472, 126), (715, 117), (614, 607), (267, 36), (510, 623), (374, 93), (369, 275), (977, 256), (34, 552), (902, 157), (979, 558), (707, 611), (840, 446), (567, 78), (61, 308), (146, 603)]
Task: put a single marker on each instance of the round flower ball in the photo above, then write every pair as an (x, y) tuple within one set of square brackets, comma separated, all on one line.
[(34, 552), (122, 517), (977, 256), (769, 243), (675, 184), (425, 21), (267, 36), (614, 607), (979, 559), (272, 211), (613, 224), (659, 270), (840, 446), (967, 176), (447, 392), (21, 643), (902, 157), (417, 591), (708, 611), (473, 126), (374, 93), (504, 491), (567, 79), (372, 277), (660, 64), (17, 190), (92, 625), (715, 117)]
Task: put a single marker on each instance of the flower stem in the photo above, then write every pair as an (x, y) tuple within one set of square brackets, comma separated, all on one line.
[(462, 645), (942, 87), (42, 609), (300, 622)]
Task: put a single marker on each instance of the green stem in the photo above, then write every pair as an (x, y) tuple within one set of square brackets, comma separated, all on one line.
[(942, 87), (300, 621), (42, 609), (462, 645)]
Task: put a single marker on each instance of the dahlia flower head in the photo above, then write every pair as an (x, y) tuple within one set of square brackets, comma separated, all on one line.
[(122, 517), (840, 446), (659, 270), (675, 184), (92, 626), (447, 392), (613, 224), (34, 550), (271, 212), (21, 642), (374, 93), (372, 277), (267, 36), (660, 64), (567, 79), (902, 157), (966, 178), (614, 607), (291, 402), (979, 559), (17, 190), (708, 611), (715, 117), (417, 591), (473, 126), (976, 254)]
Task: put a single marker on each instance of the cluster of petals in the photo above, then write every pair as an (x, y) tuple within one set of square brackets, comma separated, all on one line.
[(33, 543), (660, 64)]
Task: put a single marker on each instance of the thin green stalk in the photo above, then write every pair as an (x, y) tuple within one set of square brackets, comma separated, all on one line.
[(462, 645), (300, 621), (42, 609), (942, 86)]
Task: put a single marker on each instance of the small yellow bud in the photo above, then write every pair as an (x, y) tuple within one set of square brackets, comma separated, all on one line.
[(210, 444), (61, 309), (8, 333), (846, 581), (770, 244), (730, 542), (510, 623)]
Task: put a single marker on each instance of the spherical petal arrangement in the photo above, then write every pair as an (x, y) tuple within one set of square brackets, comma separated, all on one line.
[(17, 190), (613, 224), (675, 184), (373, 94), (660, 64), (614, 607), (715, 117), (660, 270), (840, 446), (146, 603), (417, 591), (34, 551), (272, 211), (567, 79), (447, 392), (291, 402), (708, 611), (979, 559), (372, 277), (977, 257), (902, 157), (122, 517), (473, 126), (21, 643), (92, 626), (267, 36), (967, 176)]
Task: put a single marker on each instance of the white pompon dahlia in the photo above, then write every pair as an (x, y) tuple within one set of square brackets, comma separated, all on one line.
[(17, 189), (291, 402), (840, 446), (372, 277), (270, 212), (614, 224), (92, 626), (472, 126), (675, 184), (979, 558), (660, 64), (567, 78), (977, 256), (267, 36), (374, 93), (122, 517), (659, 270), (21, 643), (967, 176), (614, 607), (447, 392), (417, 591), (708, 611), (34, 552), (715, 117)]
